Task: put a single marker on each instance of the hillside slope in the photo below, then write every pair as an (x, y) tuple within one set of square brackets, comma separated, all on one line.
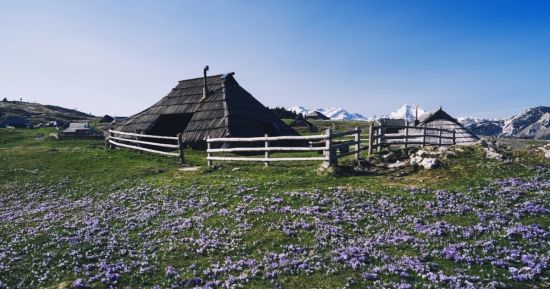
[(37, 113), (532, 123)]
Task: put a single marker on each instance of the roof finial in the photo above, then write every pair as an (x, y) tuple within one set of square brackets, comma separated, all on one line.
[(205, 88), (416, 116)]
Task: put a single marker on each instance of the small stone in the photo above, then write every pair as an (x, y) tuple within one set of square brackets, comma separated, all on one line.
[(430, 163), (421, 153), (388, 155), (492, 154), (235, 169), (416, 160), (397, 164), (189, 169)]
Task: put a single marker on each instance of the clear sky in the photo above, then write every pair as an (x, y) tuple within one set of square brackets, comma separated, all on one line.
[(479, 58)]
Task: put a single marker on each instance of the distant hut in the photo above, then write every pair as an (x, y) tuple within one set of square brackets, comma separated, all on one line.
[(15, 121), (118, 118), (441, 119), (391, 125), (214, 106), (107, 118), (316, 115), (301, 123), (78, 130), (111, 119)]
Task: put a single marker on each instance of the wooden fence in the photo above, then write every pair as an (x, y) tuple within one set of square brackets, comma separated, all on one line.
[(331, 149), (407, 136), (122, 139), (333, 145)]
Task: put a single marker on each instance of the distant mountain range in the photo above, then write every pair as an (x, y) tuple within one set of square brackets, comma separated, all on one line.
[(332, 113), (406, 111), (533, 123)]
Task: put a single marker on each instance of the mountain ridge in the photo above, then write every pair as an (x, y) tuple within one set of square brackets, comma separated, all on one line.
[(37, 113), (533, 122)]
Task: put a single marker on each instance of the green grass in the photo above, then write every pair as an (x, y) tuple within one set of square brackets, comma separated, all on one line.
[(86, 161), (87, 169)]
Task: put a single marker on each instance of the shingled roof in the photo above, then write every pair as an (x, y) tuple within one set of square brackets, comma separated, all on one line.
[(228, 110)]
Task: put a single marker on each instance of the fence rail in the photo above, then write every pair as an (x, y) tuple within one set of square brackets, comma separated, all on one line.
[(409, 135), (331, 151), (114, 139)]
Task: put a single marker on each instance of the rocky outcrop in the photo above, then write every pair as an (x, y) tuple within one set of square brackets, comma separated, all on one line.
[(484, 127), (37, 113), (533, 123), (545, 150)]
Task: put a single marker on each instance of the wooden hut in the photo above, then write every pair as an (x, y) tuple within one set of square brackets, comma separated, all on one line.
[(214, 106), (316, 115), (301, 123), (78, 130), (441, 119)]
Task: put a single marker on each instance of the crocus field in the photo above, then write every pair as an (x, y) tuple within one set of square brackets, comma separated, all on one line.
[(73, 215), (496, 236)]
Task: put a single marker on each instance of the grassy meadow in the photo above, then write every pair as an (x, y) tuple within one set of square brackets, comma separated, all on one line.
[(74, 215)]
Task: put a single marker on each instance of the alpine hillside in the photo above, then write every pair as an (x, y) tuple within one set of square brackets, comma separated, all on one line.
[(37, 113)]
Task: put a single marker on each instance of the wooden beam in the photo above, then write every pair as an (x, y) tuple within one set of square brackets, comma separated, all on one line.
[(143, 149), (180, 147), (146, 142), (358, 143), (143, 135), (370, 139), (268, 149), (266, 160), (261, 139)]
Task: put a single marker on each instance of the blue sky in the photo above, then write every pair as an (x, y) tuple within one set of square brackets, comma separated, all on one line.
[(479, 58)]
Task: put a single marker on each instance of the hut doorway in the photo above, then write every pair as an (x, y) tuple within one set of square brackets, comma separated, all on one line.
[(171, 124)]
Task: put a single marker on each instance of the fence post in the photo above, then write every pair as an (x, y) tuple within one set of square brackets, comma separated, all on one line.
[(440, 132), (107, 146), (208, 154), (266, 163), (379, 137), (406, 134), (424, 137), (358, 144), (329, 154), (180, 146), (137, 138), (370, 140), (111, 146), (454, 136)]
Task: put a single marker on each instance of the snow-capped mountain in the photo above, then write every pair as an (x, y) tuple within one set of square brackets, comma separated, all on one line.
[(531, 123), (333, 113), (483, 126), (341, 114), (406, 111), (298, 109)]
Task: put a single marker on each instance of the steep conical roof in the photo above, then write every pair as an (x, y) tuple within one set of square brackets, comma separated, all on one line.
[(228, 110)]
